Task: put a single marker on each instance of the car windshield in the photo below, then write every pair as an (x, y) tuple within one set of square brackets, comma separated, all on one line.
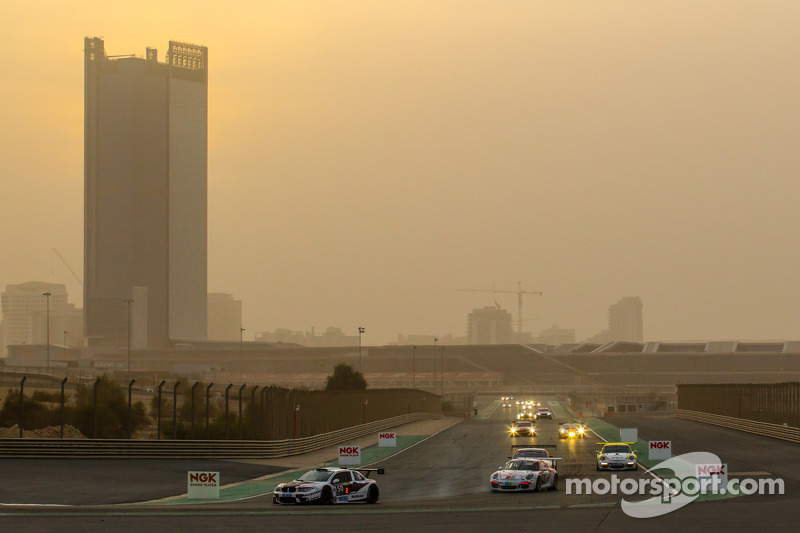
[(544, 410), (522, 465), (524, 424), (570, 426), (315, 475), (531, 453), (617, 448)]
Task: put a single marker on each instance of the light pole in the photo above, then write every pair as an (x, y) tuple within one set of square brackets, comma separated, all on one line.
[(48, 295), (360, 332), (442, 349), (435, 339), (129, 301), (414, 365), (241, 355)]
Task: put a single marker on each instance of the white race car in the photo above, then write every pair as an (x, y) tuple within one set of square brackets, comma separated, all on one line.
[(617, 456), (328, 486), (524, 475)]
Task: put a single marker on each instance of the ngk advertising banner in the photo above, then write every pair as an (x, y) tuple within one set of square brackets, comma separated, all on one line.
[(387, 439), (349, 455), (713, 478), (203, 485), (659, 450), (628, 435)]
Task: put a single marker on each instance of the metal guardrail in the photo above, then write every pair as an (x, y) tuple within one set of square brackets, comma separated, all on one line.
[(194, 449), (776, 431)]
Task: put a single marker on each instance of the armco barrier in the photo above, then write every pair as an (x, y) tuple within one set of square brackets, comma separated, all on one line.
[(179, 449), (776, 431)]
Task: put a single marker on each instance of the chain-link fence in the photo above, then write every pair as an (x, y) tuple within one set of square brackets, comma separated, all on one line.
[(192, 411)]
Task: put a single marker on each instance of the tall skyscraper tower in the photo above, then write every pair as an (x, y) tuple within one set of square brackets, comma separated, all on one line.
[(625, 321), (145, 189)]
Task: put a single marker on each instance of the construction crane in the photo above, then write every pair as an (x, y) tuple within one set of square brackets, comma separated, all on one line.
[(519, 292), (67, 265)]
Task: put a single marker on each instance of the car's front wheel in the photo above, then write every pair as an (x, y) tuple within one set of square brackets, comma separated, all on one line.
[(538, 483), (327, 496), (373, 494), (555, 482)]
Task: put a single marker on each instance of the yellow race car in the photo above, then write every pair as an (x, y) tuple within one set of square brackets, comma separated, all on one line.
[(617, 456)]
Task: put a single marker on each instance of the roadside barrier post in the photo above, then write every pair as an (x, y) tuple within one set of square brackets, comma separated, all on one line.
[(94, 408), (63, 382), (227, 390), (241, 389), (196, 383), (263, 414), (253, 411), (175, 410), (21, 403), (208, 389), (130, 385), (158, 416), (294, 423)]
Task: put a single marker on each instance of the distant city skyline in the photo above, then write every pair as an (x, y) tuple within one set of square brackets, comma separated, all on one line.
[(589, 151)]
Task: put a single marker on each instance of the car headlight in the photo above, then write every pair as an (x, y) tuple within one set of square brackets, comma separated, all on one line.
[(561, 430), (305, 489), (631, 457), (529, 476), (494, 476), (603, 457), (580, 430), (571, 433)]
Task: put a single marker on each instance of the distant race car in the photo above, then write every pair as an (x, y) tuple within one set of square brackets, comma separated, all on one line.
[(526, 415), (522, 428), (544, 412), (571, 431), (329, 486), (505, 401), (538, 451), (617, 456), (524, 475)]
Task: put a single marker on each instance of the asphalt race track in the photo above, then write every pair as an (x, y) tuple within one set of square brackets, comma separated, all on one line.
[(440, 483)]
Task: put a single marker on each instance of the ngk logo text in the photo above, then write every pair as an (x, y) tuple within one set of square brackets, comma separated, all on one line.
[(387, 439), (349, 455), (660, 450)]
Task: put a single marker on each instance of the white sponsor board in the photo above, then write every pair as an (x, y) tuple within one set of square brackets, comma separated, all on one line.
[(387, 439), (713, 478), (628, 434), (203, 485), (349, 455), (660, 450)]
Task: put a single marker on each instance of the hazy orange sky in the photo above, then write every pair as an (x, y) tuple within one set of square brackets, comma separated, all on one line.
[(368, 158)]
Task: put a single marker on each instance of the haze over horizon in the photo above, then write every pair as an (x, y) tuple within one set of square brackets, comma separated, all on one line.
[(368, 159)]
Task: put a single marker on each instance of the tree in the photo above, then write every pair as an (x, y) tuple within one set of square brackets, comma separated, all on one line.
[(112, 411), (345, 377)]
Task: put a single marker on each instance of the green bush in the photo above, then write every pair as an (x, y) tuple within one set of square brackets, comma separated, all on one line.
[(345, 377), (112, 411), (35, 414)]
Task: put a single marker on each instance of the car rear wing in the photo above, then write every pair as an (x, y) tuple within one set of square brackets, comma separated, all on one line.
[(366, 471), (522, 446)]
